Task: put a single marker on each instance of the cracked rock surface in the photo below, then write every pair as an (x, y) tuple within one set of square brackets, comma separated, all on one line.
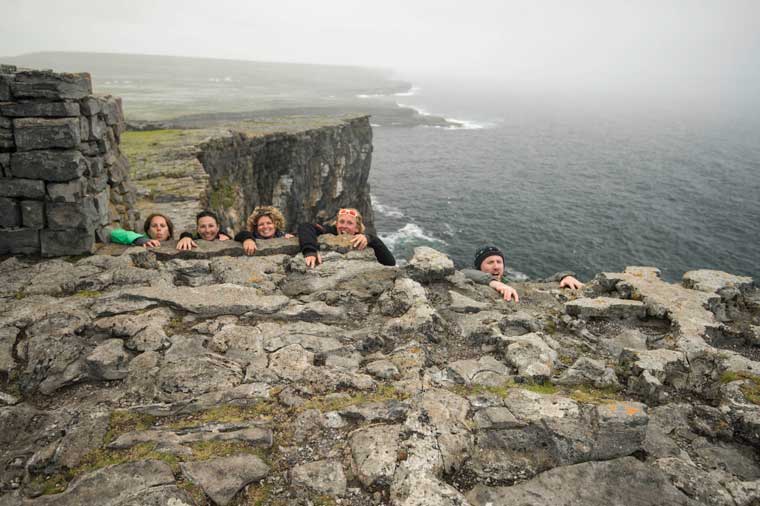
[(208, 377)]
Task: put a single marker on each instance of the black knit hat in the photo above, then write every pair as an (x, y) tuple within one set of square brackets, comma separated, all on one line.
[(485, 252)]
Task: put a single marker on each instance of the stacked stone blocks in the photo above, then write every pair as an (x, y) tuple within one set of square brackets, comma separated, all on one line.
[(63, 179)]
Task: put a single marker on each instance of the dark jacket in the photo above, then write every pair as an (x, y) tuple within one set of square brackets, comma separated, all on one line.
[(244, 235), (307, 240)]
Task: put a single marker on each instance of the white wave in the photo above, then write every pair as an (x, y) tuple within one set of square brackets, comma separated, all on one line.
[(460, 124), (226, 79), (371, 95), (418, 110), (375, 125), (412, 91), (390, 211), (409, 233)]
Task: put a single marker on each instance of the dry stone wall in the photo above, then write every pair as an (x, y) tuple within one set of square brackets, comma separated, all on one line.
[(63, 179)]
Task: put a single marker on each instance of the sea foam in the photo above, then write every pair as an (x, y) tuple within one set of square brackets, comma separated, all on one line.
[(409, 233)]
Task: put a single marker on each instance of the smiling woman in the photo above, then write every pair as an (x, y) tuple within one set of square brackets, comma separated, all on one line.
[(265, 222), (348, 222), (207, 228)]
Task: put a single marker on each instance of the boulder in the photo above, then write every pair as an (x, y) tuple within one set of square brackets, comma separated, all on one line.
[(428, 265), (322, 477)]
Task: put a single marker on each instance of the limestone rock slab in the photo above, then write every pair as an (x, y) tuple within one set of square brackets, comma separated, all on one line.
[(428, 265), (619, 482), (605, 307), (224, 477), (323, 477)]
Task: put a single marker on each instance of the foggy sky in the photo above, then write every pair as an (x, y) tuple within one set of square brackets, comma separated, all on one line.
[(711, 46)]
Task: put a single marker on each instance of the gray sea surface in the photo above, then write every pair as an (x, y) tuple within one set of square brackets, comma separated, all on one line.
[(577, 186)]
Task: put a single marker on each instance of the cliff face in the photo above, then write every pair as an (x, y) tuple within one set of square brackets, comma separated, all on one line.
[(208, 377), (308, 174), (63, 179)]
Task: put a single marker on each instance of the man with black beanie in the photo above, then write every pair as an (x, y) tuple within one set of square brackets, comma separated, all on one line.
[(489, 270)]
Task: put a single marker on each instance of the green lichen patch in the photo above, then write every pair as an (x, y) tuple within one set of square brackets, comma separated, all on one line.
[(229, 413), (590, 395), (204, 450), (750, 386), (122, 421), (223, 195), (89, 294), (334, 403)]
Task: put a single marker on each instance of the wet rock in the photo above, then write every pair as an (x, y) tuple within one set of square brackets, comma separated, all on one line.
[(605, 307), (586, 371), (222, 478), (619, 482), (374, 454), (428, 265), (322, 477)]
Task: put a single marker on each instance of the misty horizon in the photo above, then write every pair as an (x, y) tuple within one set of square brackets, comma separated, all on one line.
[(695, 52)]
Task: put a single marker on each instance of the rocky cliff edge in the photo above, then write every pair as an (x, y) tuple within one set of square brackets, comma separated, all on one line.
[(208, 377)]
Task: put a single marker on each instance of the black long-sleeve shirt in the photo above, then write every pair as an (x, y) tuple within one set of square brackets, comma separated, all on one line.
[(307, 240)]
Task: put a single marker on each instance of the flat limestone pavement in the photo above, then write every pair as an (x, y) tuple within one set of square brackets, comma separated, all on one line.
[(210, 377)]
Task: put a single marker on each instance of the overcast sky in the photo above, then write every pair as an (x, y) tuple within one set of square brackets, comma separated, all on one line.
[(712, 44)]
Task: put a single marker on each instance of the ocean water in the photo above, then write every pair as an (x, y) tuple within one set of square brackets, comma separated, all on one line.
[(571, 185)]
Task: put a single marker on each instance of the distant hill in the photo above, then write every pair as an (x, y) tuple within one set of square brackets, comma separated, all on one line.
[(165, 87)]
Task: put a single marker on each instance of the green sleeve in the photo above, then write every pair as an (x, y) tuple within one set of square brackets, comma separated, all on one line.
[(121, 236)]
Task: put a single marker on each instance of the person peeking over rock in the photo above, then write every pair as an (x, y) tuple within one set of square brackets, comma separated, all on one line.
[(157, 227), (347, 222), (207, 228), (265, 222), (489, 270)]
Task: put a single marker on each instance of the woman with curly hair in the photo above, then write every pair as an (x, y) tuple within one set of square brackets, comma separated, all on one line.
[(265, 222), (348, 222)]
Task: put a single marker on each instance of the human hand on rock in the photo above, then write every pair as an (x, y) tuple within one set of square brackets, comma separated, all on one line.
[(249, 247), (359, 241), (313, 260), (186, 243), (223, 237), (153, 243), (288, 236), (506, 291), (570, 282)]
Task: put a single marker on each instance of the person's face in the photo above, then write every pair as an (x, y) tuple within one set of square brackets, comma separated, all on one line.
[(493, 265), (158, 228), (265, 227), (208, 228), (346, 224)]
